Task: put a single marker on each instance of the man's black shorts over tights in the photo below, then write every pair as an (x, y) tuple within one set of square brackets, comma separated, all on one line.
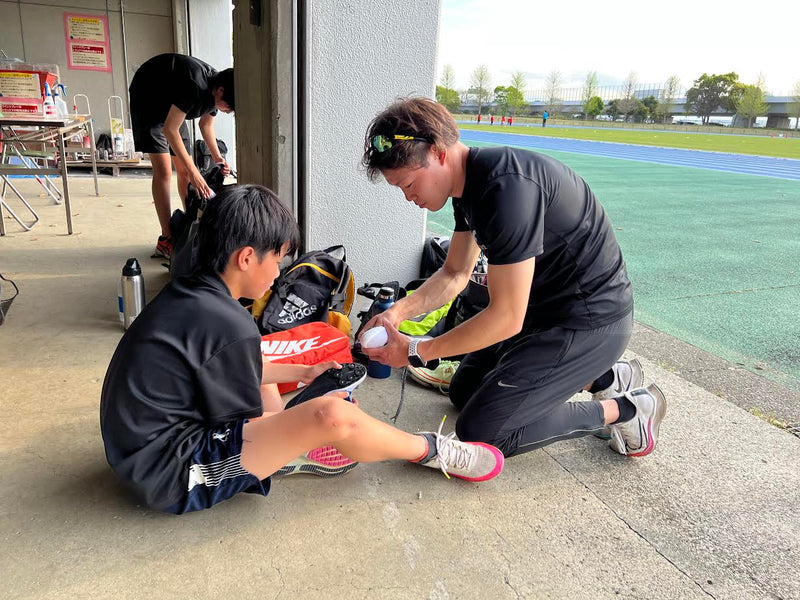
[(514, 394)]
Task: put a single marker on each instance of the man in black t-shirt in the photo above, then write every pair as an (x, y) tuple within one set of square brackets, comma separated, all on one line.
[(165, 91), (561, 308), (190, 413)]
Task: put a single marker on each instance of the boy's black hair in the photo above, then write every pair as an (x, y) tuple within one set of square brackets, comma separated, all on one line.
[(244, 215), (224, 80)]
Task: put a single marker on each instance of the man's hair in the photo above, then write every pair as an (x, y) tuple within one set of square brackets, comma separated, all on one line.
[(244, 215), (427, 121), (224, 80)]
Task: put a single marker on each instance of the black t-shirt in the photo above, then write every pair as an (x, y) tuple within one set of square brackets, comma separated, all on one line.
[(169, 79), (518, 205), (191, 360)]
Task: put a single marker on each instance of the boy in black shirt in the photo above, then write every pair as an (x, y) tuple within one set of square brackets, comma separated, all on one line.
[(543, 336), (165, 91), (188, 413)]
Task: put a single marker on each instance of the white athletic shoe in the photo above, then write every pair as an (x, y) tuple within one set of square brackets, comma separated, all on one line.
[(473, 461), (638, 437), (628, 375)]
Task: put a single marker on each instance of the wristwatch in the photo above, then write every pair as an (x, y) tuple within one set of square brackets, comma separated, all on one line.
[(415, 360)]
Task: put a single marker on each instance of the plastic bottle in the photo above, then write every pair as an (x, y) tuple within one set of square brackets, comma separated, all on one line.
[(384, 301), (132, 287), (49, 104), (58, 99)]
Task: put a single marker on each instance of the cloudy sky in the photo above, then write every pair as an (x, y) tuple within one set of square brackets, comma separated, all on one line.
[(653, 39)]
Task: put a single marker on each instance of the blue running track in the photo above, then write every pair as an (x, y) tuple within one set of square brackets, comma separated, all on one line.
[(781, 168)]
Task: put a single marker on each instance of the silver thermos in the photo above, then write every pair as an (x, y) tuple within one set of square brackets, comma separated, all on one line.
[(132, 292)]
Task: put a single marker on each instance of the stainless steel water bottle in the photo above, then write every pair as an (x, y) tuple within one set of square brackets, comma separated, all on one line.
[(132, 284)]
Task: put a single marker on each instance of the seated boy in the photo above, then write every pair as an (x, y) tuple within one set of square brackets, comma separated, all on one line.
[(182, 415)]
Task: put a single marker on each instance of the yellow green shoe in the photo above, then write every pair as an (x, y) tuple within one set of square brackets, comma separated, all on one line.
[(438, 378)]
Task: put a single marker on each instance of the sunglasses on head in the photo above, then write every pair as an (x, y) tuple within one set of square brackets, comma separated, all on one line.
[(382, 143)]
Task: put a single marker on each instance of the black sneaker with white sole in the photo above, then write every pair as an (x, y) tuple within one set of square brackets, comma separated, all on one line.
[(346, 379)]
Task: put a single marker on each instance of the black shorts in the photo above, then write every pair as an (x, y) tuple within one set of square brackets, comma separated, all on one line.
[(149, 136), (216, 473)]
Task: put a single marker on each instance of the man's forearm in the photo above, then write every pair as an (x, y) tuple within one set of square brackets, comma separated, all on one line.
[(210, 138), (176, 143), (437, 291), (482, 330)]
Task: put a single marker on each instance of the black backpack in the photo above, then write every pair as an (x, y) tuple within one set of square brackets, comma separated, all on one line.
[(184, 226), (202, 155), (318, 286)]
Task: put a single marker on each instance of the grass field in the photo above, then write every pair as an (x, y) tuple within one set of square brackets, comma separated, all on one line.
[(714, 257), (758, 145)]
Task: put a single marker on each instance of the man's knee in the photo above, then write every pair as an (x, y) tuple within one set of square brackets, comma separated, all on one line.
[(162, 170), (460, 391), (471, 430)]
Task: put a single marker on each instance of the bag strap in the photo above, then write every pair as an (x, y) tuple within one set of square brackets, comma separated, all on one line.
[(16, 289)]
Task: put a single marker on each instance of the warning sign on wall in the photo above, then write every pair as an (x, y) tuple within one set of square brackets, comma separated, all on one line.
[(87, 40)]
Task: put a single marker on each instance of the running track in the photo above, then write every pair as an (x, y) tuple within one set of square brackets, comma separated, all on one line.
[(780, 168)]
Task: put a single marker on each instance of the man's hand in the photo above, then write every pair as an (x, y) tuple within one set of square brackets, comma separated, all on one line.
[(199, 184), (218, 160), (395, 352), (388, 315), (314, 371)]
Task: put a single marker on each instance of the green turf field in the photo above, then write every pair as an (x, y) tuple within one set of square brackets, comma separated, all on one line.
[(714, 257), (737, 144)]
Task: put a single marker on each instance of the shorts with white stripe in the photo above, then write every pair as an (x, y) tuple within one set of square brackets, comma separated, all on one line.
[(514, 394), (215, 471)]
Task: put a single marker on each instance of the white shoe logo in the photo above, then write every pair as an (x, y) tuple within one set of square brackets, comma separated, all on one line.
[(501, 384)]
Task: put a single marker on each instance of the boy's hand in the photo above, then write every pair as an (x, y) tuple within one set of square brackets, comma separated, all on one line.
[(314, 371)]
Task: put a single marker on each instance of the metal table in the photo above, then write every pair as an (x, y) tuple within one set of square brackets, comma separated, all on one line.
[(31, 139)]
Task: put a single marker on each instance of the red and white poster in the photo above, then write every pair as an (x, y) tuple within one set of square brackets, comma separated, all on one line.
[(88, 46)]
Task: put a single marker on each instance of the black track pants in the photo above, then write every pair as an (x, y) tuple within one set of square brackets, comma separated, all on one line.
[(514, 394)]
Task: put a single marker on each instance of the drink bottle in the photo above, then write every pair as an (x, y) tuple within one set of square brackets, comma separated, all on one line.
[(131, 291), (383, 302)]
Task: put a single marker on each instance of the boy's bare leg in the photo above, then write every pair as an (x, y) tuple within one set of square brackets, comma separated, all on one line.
[(183, 180), (162, 177), (273, 441)]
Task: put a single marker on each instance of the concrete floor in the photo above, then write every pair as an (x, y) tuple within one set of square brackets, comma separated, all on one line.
[(712, 513)]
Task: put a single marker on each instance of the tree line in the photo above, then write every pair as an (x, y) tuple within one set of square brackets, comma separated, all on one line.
[(707, 94)]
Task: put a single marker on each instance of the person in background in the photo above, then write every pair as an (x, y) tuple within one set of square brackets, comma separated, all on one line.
[(167, 90)]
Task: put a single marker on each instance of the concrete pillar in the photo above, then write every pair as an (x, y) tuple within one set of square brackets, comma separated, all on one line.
[(308, 83)]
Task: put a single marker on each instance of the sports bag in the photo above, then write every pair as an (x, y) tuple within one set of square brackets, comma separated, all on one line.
[(308, 344), (184, 226), (318, 286), (202, 155)]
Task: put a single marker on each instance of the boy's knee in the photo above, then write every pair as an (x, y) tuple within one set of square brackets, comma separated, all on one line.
[(334, 416)]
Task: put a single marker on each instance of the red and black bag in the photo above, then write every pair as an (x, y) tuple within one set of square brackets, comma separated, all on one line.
[(307, 344)]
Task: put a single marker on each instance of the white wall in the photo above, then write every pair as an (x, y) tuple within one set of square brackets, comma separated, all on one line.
[(363, 56), (210, 27), (34, 32)]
